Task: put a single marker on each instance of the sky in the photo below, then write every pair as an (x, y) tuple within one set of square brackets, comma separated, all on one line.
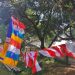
[(6, 10)]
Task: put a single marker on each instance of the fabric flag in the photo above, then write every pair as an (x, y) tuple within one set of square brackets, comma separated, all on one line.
[(50, 52), (13, 52), (8, 36), (59, 50), (70, 46), (16, 40), (30, 59), (9, 32), (1, 48), (64, 49), (67, 48), (36, 67)]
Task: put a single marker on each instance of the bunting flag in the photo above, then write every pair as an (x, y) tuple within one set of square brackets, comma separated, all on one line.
[(59, 50), (30, 59), (68, 49), (50, 52), (64, 49), (71, 48), (35, 67)]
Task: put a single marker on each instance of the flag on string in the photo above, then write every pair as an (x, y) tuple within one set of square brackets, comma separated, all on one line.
[(30, 59), (68, 49), (50, 52), (59, 50), (71, 48), (36, 67)]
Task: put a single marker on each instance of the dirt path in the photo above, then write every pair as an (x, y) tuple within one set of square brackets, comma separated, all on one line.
[(59, 69)]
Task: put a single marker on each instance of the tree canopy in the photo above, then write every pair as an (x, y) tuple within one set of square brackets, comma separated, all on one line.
[(45, 18)]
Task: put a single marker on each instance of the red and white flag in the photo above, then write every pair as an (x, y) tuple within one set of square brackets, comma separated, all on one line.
[(59, 50), (68, 48), (71, 48), (50, 52), (31, 61)]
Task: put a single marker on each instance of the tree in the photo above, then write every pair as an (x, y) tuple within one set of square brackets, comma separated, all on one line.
[(44, 17)]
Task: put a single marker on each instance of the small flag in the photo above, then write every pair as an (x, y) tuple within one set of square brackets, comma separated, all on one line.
[(30, 59), (49, 52)]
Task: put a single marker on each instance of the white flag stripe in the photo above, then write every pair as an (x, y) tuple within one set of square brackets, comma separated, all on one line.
[(38, 68), (45, 53), (13, 49)]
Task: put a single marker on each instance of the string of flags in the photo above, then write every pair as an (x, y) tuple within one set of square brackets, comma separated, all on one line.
[(10, 52), (57, 51)]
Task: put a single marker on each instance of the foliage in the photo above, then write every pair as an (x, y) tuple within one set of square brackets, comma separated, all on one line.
[(3, 32), (42, 17)]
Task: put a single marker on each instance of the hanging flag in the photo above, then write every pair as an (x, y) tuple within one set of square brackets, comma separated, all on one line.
[(30, 59), (59, 50), (8, 36), (67, 48), (50, 52), (35, 67), (13, 52), (64, 49), (1, 48), (14, 39), (9, 31), (71, 48)]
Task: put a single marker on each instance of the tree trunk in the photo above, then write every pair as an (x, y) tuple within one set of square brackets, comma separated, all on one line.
[(42, 43)]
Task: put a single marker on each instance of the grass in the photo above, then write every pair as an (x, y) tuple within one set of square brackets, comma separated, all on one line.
[(49, 67), (4, 71)]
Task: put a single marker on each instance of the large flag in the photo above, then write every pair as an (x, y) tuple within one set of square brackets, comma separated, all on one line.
[(14, 39)]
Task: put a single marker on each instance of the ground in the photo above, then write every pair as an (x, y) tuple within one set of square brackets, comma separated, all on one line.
[(48, 68)]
